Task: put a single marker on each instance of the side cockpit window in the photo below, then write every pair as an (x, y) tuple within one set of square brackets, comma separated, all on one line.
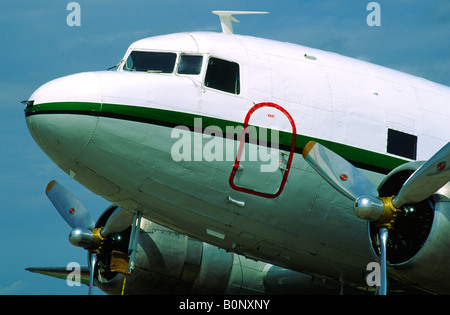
[(223, 75), (190, 64), (152, 62)]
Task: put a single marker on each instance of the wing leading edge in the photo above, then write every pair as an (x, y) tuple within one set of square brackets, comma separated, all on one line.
[(61, 272)]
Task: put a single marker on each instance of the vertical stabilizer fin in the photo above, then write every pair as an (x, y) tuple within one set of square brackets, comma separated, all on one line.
[(227, 19)]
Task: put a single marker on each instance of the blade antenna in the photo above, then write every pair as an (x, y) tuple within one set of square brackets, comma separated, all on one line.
[(227, 19)]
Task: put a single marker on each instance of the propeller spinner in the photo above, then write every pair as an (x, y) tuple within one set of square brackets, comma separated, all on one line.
[(368, 205)]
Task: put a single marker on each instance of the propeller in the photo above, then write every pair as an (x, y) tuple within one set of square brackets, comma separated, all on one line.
[(429, 178), (368, 205), (84, 234), (68, 206)]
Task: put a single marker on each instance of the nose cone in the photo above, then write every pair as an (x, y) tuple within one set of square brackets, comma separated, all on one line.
[(62, 116), (81, 237)]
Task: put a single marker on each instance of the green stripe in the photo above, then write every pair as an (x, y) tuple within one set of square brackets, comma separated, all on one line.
[(63, 106), (366, 159)]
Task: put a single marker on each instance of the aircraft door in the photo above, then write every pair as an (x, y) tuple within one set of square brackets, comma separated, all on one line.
[(266, 149)]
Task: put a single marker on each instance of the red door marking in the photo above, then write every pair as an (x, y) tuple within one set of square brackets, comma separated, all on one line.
[(241, 146)]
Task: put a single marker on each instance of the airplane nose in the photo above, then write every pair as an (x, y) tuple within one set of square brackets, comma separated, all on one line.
[(61, 115)]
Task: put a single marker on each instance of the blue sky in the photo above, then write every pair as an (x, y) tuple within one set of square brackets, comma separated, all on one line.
[(37, 45)]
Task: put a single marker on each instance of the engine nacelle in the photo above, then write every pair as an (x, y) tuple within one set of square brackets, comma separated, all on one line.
[(418, 251), (170, 263)]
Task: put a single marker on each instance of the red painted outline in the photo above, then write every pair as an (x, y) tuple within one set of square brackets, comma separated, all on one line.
[(241, 146)]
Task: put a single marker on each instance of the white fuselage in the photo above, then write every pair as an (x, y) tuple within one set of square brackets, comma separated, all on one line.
[(158, 143)]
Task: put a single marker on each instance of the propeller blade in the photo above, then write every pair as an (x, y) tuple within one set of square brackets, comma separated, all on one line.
[(426, 180), (68, 206), (92, 265), (119, 220), (384, 233), (338, 172)]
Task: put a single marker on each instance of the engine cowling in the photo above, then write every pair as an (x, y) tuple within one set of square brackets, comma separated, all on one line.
[(418, 248), (170, 263)]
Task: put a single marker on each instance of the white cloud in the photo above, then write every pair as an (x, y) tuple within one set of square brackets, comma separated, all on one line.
[(13, 288)]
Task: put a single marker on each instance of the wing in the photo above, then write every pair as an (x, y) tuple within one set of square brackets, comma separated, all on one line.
[(61, 272)]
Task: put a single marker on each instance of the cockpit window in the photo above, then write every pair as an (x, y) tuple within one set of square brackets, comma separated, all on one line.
[(190, 64), (153, 62), (223, 75)]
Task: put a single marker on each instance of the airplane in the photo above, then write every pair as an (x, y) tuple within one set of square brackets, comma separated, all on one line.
[(236, 164)]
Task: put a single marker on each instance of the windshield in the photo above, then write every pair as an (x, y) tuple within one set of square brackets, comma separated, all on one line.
[(155, 62)]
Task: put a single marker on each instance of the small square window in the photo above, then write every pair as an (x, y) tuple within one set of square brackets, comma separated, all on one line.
[(402, 144)]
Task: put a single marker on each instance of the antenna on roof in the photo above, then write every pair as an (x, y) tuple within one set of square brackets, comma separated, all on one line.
[(226, 19)]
